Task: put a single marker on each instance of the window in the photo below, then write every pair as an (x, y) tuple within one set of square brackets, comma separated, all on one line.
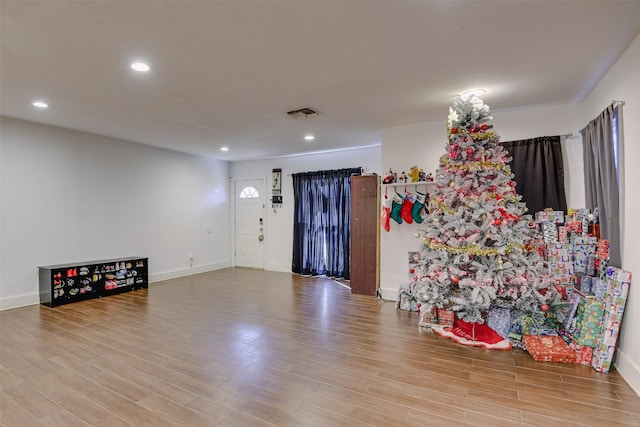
[(616, 144), (249, 193)]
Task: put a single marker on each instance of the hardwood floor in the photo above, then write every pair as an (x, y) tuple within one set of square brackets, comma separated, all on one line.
[(241, 347)]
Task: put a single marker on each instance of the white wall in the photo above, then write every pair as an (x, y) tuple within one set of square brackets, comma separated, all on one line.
[(68, 196), (279, 223), (622, 83), (422, 144)]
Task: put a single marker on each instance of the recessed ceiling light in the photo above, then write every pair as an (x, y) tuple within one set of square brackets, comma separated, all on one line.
[(224, 148), (40, 104), (309, 138), (476, 92), (140, 66)]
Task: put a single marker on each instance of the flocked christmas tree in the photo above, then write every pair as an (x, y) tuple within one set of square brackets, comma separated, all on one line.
[(478, 247)]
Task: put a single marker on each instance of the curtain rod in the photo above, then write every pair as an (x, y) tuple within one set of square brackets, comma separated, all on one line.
[(614, 102)]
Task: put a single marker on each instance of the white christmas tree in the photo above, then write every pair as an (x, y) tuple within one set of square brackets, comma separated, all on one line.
[(478, 243)]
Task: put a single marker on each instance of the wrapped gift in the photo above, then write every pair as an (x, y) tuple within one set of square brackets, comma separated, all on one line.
[(598, 287), (446, 317), (586, 285), (548, 349), (584, 354), (560, 264), (601, 266), (556, 217), (558, 252), (549, 232), (428, 316), (590, 267), (516, 339), (569, 318), (589, 318), (527, 324), (581, 252), (578, 214), (406, 300), (515, 334), (602, 357), (563, 235), (573, 226), (602, 249), (617, 284), (499, 319), (583, 240)]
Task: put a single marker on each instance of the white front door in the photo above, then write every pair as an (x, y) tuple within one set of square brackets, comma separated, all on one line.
[(250, 223)]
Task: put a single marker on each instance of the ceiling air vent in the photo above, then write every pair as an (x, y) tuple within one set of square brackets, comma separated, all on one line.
[(302, 113)]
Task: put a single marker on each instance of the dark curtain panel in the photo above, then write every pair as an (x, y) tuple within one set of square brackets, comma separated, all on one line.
[(321, 222), (539, 172), (600, 148)]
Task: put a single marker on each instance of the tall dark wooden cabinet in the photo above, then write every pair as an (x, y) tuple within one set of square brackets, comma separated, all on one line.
[(365, 234)]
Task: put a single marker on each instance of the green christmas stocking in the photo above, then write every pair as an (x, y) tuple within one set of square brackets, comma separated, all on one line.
[(396, 206), (416, 212)]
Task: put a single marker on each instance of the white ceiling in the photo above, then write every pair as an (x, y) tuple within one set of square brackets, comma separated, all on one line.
[(226, 73)]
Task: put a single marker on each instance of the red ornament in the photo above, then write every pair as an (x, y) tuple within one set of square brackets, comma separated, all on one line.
[(454, 130), (485, 127), (544, 307), (469, 151), (455, 279), (497, 221), (512, 183)]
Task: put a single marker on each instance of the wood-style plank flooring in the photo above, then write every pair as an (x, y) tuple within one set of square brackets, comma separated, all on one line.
[(242, 347)]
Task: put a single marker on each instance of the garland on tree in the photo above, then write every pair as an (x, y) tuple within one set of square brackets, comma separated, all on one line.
[(478, 242)]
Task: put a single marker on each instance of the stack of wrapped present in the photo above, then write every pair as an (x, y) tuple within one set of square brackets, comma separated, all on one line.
[(406, 299), (578, 266), (596, 293), (614, 299)]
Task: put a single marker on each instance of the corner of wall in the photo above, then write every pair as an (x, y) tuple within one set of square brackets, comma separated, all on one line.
[(628, 370)]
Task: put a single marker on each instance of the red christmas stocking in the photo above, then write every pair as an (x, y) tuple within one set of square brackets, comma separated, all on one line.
[(407, 206), (385, 215)]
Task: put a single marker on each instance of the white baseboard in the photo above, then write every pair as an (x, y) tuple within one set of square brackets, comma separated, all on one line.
[(34, 299), (21, 301), (389, 294), (187, 271), (628, 370), (282, 268)]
